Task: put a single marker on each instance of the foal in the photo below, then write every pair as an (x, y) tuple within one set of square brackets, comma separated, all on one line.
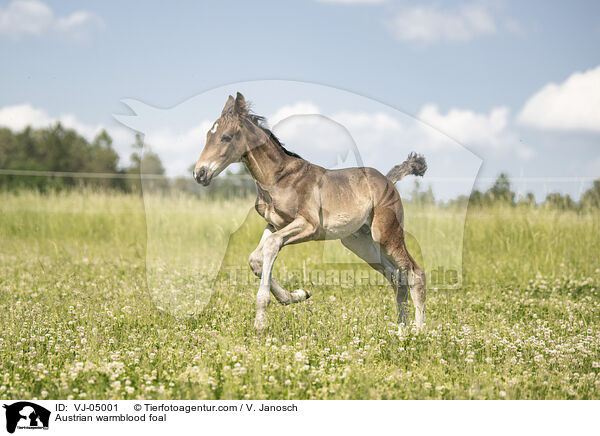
[(302, 202)]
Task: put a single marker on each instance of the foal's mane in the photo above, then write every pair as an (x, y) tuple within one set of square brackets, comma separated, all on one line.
[(260, 122)]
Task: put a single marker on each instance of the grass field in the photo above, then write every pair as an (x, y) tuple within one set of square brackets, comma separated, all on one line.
[(82, 319)]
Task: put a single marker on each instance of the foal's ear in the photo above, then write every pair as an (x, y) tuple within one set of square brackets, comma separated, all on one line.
[(240, 105), (228, 105)]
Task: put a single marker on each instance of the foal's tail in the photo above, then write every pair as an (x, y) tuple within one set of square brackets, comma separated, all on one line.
[(415, 164)]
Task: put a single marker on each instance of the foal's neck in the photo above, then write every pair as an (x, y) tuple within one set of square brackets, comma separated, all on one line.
[(266, 160)]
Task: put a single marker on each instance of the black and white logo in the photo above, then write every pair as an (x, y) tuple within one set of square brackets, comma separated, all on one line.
[(26, 415)]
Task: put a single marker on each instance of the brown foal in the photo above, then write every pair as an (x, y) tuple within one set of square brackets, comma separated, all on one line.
[(302, 202)]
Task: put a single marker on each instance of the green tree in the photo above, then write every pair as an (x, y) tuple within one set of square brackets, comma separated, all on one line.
[(420, 196), (477, 198), (591, 198), (556, 200), (501, 191), (145, 162), (55, 149), (528, 200)]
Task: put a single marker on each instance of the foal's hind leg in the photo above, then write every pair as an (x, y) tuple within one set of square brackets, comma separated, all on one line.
[(387, 230), (256, 264), (361, 243)]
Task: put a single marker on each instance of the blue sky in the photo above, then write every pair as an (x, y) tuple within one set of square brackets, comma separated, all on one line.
[(468, 67)]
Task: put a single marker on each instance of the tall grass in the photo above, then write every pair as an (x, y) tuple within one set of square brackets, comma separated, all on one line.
[(87, 311)]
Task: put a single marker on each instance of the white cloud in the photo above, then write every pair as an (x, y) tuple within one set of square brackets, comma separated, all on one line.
[(20, 116), (371, 130), (469, 127), (571, 105), (377, 133), (430, 24), (477, 130), (188, 144), (316, 138), (35, 18), (299, 108)]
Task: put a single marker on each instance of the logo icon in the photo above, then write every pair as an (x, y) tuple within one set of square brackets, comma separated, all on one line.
[(26, 415)]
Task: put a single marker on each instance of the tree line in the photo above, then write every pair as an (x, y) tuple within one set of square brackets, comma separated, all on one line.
[(501, 193), (63, 150), (60, 149), (57, 149)]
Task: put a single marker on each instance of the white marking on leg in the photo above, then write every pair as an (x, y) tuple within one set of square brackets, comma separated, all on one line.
[(299, 295), (256, 261), (271, 246)]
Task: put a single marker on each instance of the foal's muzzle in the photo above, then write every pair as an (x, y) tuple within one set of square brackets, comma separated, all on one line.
[(201, 176)]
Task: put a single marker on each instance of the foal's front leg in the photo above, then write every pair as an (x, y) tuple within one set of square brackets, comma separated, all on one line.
[(297, 231), (256, 265)]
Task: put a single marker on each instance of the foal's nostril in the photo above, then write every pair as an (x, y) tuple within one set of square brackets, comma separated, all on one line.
[(200, 174)]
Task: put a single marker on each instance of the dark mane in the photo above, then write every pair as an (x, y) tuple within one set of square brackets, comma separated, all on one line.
[(259, 122)]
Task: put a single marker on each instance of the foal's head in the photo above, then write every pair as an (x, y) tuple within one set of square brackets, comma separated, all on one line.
[(225, 141)]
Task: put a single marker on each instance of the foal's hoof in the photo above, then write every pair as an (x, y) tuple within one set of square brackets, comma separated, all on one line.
[(403, 330), (260, 326), (304, 293), (300, 295)]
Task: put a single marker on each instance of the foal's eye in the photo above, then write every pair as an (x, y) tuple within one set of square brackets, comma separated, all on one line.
[(226, 138)]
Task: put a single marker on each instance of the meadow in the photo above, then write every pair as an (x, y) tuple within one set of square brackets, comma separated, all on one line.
[(83, 317)]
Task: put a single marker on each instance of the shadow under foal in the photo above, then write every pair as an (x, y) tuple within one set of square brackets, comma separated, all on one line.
[(305, 202)]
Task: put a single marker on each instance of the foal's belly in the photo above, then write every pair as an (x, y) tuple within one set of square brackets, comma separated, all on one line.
[(339, 224), (346, 202), (336, 222)]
